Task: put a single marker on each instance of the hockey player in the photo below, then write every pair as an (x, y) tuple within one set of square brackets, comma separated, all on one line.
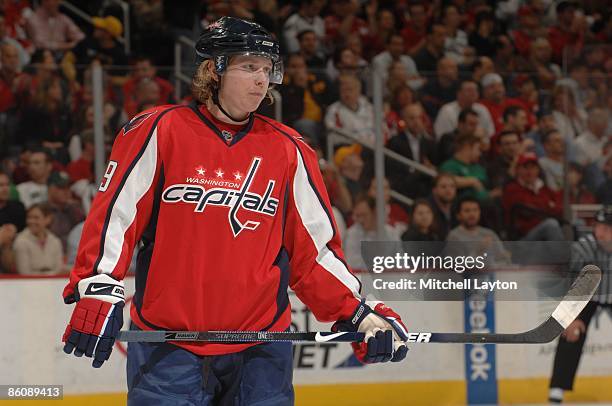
[(230, 210), (594, 248)]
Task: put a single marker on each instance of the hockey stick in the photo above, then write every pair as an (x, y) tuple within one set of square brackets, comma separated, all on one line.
[(567, 310)]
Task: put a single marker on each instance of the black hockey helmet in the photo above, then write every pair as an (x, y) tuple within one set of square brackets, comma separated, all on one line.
[(604, 215), (233, 36)]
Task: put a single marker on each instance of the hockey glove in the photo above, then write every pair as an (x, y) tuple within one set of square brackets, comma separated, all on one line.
[(96, 319), (385, 334)]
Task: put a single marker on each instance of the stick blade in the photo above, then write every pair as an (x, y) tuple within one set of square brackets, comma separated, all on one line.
[(577, 297)]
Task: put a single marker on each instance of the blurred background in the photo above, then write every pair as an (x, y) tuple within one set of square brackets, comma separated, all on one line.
[(413, 107)]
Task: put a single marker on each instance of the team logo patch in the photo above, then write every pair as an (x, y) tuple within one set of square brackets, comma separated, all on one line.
[(136, 122), (233, 194)]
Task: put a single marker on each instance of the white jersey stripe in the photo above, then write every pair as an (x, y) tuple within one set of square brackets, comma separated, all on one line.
[(315, 220), (124, 208)]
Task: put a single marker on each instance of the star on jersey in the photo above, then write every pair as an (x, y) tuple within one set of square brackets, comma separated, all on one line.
[(237, 175), (201, 171), (219, 172)]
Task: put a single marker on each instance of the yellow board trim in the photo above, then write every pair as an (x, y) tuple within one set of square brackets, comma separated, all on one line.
[(438, 393)]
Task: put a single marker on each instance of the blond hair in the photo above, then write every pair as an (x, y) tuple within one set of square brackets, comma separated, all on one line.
[(205, 83)]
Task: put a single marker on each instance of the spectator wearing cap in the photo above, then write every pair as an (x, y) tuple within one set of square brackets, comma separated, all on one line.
[(104, 46), (39, 169), (442, 88), (569, 31), (416, 144), (467, 98), (350, 165), (589, 144), (427, 58), (353, 113), (306, 18), (49, 29), (592, 249), (143, 68), (395, 53), (66, 212), (310, 50), (494, 98), (552, 162), (531, 209), (37, 250)]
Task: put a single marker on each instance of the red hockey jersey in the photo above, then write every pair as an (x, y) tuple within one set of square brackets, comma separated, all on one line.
[(227, 223)]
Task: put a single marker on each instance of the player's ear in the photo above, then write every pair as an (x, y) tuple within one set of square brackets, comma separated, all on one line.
[(210, 66)]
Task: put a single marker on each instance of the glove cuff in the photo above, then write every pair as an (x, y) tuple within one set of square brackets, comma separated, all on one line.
[(101, 287), (352, 324)]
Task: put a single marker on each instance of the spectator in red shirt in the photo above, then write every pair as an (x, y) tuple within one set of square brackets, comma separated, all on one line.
[(144, 69), (495, 100), (344, 21), (82, 168), (415, 29), (530, 207), (527, 30), (568, 32)]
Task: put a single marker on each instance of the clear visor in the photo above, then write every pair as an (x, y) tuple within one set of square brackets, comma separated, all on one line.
[(277, 71)]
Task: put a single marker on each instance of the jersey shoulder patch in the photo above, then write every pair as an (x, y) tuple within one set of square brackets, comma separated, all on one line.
[(137, 121), (141, 117)]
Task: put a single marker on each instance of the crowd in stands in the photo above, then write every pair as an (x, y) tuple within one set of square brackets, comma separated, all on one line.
[(508, 102)]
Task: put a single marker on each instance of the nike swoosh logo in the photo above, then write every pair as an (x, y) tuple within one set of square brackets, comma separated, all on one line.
[(93, 289), (320, 338)]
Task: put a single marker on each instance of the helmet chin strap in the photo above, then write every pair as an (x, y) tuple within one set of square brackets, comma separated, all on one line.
[(215, 99)]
